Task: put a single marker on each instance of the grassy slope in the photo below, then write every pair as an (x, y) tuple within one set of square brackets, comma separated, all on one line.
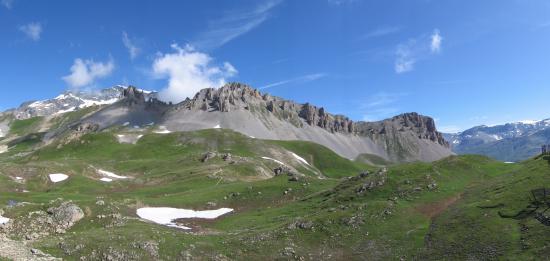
[(390, 221), (323, 158), (474, 228), (23, 127)]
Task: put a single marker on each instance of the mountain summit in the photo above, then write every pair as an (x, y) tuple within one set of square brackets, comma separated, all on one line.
[(72, 101)]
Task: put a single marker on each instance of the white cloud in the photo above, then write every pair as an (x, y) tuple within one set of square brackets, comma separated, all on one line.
[(189, 71), (301, 79), (132, 48), (436, 38), (32, 30), (234, 24), (7, 3), (85, 72), (415, 49)]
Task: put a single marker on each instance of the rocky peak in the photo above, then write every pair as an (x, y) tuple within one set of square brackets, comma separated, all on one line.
[(232, 96), (423, 125), (132, 95), (237, 96), (420, 125)]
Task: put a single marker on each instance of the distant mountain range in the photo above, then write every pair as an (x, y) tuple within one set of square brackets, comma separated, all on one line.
[(510, 142), (403, 138)]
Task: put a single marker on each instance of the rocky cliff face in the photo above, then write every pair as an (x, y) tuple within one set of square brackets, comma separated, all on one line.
[(422, 126), (236, 96)]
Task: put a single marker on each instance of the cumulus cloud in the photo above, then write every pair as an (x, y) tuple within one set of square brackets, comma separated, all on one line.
[(408, 53), (189, 71), (233, 24), (86, 72), (133, 50), (436, 39), (32, 30), (7, 3)]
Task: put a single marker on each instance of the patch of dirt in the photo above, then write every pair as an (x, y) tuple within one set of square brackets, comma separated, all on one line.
[(432, 210), (16, 250)]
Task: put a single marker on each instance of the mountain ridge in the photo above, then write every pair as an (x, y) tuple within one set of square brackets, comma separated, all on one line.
[(236, 106), (511, 142)]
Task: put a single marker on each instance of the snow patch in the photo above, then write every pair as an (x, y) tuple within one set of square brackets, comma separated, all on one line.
[(162, 130), (4, 220), (67, 110), (90, 103), (3, 148), (217, 127), (58, 177), (106, 179), (18, 178), (110, 174), (509, 162), (166, 216), (130, 138), (268, 158), (300, 158)]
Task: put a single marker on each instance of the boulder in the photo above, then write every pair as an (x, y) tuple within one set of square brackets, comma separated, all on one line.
[(207, 156), (66, 215)]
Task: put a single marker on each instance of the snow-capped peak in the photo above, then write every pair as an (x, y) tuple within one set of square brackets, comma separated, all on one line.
[(529, 122), (72, 101)]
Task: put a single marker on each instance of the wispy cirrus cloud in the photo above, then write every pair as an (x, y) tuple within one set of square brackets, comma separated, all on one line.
[(449, 129), (381, 105), (32, 30), (233, 24), (341, 2), (7, 3), (542, 25), (405, 57), (408, 53), (382, 31), (133, 50), (300, 79)]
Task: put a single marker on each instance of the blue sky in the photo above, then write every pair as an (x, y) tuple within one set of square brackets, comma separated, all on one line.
[(464, 63)]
